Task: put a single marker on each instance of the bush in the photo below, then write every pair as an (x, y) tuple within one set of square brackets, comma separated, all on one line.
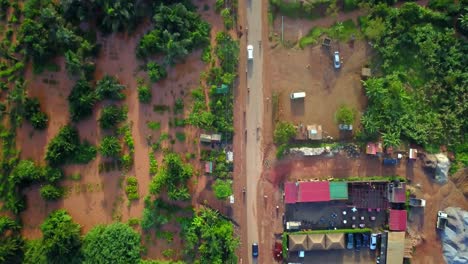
[(32, 112), (345, 115), (179, 106), (111, 116), (81, 100), (144, 93), (153, 165), (50, 192), (109, 88), (132, 188), (153, 125), (180, 136), (63, 146), (283, 133), (222, 189), (156, 72), (110, 147)]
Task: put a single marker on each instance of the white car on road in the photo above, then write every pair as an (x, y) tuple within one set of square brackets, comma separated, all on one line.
[(250, 52), (373, 242)]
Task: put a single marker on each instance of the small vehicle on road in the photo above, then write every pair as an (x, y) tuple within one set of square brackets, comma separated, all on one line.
[(254, 250), (336, 60), (415, 202), (350, 239), (373, 242), (250, 52)]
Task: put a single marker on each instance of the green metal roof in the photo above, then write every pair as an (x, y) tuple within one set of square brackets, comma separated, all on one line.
[(338, 190), (223, 89)]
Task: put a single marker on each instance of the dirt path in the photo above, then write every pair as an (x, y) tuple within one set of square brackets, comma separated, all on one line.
[(254, 120)]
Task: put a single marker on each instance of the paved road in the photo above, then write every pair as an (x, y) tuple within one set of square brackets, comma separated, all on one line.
[(254, 119)]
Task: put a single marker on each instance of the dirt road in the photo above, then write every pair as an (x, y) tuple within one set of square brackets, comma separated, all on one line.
[(254, 118)]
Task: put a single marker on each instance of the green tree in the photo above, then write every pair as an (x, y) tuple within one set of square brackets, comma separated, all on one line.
[(156, 72), (110, 147), (222, 189), (144, 93), (11, 242), (63, 146), (118, 15), (61, 238), (26, 172), (51, 192), (111, 116), (210, 238), (344, 115), (172, 175), (81, 100), (34, 252), (283, 132), (109, 88), (115, 243)]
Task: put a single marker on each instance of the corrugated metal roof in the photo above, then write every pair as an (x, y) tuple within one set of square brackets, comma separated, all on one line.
[(397, 220), (314, 191), (398, 194), (338, 190)]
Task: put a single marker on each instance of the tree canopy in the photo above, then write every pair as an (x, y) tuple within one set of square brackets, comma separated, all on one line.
[(114, 243), (284, 132), (11, 242)]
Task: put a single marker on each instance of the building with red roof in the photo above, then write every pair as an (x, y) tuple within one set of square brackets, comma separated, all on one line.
[(290, 192), (397, 192), (397, 220), (303, 192), (314, 191)]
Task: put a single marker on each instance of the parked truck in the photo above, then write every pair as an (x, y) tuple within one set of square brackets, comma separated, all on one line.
[(415, 202), (441, 220)]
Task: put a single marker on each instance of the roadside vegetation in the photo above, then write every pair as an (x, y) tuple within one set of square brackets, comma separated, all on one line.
[(53, 37)]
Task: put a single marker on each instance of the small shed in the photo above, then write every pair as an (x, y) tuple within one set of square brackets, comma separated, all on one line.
[(204, 138), (209, 167), (222, 89), (413, 154), (229, 156), (366, 73), (314, 132), (215, 137), (338, 190)]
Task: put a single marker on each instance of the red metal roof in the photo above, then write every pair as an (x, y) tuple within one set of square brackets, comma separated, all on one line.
[(397, 220), (290, 192), (314, 192)]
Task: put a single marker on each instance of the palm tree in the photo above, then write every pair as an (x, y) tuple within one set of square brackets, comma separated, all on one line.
[(391, 138)]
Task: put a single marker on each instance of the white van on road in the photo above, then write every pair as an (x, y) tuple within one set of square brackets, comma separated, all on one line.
[(250, 52)]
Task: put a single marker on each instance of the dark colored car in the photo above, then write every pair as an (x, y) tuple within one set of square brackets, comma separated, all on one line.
[(254, 250), (350, 239), (357, 242), (365, 240), (390, 161)]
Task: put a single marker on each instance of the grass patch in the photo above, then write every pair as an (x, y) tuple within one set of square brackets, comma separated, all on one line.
[(75, 177), (180, 136), (295, 9), (153, 125), (160, 108), (342, 31)]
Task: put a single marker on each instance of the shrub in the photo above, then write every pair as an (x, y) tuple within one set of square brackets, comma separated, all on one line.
[(109, 88), (344, 115), (153, 125), (32, 112), (222, 189), (63, 147), (156, 72), (110, 147), (132, 188), (39, 120), (179, 106), (153, 165), (227, 18), (283, 132), (111, 116), (81, 100), (144, 93), (180, 136), (51, 192)]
